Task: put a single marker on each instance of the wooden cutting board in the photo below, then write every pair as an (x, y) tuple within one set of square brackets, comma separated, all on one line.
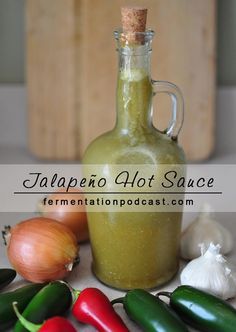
[(72, 68)]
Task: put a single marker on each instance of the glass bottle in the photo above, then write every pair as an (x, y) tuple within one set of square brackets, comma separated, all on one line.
[(136, 250)]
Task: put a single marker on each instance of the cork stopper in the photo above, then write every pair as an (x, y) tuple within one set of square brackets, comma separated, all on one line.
[(133, 20)]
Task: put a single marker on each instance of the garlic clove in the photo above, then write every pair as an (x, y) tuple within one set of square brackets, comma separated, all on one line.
[(210, 272), (204, 229)]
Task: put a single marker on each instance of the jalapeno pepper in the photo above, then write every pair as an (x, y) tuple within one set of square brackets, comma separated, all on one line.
[(54, 299), (6, 277), (151, 314), (23, 296), (202, 310), (54, 324), (94, 308)]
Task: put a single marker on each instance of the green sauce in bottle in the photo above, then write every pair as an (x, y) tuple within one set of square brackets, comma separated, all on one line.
[(133, 249)]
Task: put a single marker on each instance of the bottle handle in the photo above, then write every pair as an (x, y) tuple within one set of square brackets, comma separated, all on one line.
[(177, 106)]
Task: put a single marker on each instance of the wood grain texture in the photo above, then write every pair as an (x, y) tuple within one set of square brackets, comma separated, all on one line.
[(51, 78), (72, 69)]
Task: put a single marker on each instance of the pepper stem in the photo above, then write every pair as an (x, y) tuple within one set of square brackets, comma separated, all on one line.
[(28, 325), (74, 292), (167, 294), (118, 300)]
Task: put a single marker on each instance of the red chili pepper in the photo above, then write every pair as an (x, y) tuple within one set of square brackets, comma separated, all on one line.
[(94, 308), (54, 324), (57, 324)]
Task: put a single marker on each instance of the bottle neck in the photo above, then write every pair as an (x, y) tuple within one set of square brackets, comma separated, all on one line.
[(134, 91)]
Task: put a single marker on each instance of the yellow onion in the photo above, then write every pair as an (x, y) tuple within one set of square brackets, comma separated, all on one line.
[(42, 249), (73, 216)]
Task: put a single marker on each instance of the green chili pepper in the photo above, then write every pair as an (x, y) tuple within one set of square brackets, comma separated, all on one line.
[(22, 296), (202, 310), (6, 277), (150, 314), (53, 300)]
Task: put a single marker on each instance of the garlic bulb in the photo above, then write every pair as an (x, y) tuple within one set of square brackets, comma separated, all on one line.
[(210, 272), (204, 230)]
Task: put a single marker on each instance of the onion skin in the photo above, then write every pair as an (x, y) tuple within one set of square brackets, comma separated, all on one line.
[(73, 216), (42, 249)]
